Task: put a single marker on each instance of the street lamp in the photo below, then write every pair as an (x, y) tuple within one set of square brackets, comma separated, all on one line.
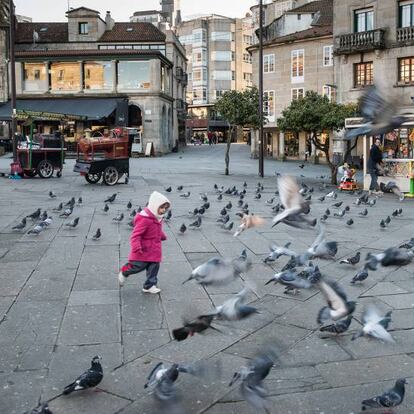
[(261, 144), (13, 77)]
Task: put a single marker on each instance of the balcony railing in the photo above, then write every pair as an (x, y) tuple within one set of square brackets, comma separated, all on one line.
[(405, 35), (181, 75), (360, 42), (181, 105)]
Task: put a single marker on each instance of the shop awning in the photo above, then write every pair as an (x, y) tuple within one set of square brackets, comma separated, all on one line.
[(89, 109)]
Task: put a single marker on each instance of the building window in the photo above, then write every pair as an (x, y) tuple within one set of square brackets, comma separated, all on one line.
[(363, 74), (247, 77), (199, 57), (222, 75), (247, 58), (220, 36), (364, 20), (220, 93), (221, 56), (406, 70), (248, 39), (34, 77), (199, 95), (297, 93), (268, 63), (298, 65), (269, 105), (328, 55), (199, 36), (134, 75), (330, 92), (200, 75), (98, 75), (65, 76), (406, 14), (83, 28)]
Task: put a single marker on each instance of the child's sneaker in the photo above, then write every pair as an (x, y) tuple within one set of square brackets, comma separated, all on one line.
[(121, 278), (152, 289)]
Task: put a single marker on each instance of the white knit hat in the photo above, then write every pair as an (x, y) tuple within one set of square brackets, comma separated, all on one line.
[(155, 201)]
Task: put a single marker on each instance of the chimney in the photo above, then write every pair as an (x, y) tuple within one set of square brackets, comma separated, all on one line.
[(109, 21)]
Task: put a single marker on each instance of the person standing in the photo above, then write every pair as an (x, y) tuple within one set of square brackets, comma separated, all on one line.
[(374, 162)]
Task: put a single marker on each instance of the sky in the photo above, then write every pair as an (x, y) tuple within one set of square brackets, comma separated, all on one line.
[(121, 10)]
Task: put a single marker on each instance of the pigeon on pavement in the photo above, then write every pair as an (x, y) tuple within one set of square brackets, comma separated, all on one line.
[(196, 224), (58, 208), (363, 213), (90, 378), (35, 215), (360, 276), (73, 223), (183, 228), (66, 213), (185, 195), (408, 245), (352, 260), (276, 252), (291, 280), (374, 325), (118, 218), (21, 225), (168, 189), (110, 199), (338, 327), (97, 235), (129, 205), (52, 194), (390, 398), (42, 408), (390, 257)]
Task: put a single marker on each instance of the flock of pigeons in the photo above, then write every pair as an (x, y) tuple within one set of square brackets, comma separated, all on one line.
[(290, 205)]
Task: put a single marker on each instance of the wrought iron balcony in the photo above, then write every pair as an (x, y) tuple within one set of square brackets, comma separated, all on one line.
[(405, 35), (360, 42), (181, 105), (181, 75)]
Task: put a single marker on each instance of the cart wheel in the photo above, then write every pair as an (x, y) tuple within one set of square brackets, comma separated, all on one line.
[(30, 173), (93, 178), (110, 175), (59, 174), (45, 169)]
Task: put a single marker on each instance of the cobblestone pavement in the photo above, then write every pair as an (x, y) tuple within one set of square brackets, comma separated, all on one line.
[(60, 303)]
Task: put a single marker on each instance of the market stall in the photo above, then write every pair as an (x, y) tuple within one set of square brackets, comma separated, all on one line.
[(397, 152)]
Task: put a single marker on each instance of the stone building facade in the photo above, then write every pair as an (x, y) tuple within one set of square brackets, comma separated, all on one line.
[(296, 58), (217, 62), (138, 67), (374, 44)]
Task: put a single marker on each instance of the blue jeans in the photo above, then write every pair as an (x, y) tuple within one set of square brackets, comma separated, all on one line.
[(152, 269), (374, 180)]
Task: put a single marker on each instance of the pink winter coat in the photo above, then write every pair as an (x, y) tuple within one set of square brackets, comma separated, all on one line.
[(146, 238)]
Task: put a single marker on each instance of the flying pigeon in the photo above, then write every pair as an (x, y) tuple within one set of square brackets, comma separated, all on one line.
[(322, 248), (97, 235), (118, 218), (390, 398), (215, 271), (248, 222), (252, 378), (52, 194), (73, 223), (110, 199), (338, 305), (374, 325), (35, 215), (185, 195), (390, 257), (21, 225), (183, 228), (241, 264), (352, 260), (338, 327), (276, 252), (379, 115), (234, 309), (197, 325), (90, 378)]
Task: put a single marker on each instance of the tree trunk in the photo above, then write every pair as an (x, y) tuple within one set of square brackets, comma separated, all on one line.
[(227, 155)]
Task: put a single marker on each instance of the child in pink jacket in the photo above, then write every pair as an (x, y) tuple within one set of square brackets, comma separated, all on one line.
[(145, 241)]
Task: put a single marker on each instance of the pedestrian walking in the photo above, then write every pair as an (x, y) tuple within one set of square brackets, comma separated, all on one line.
[(374, 164), (146, 238), (210, 137)]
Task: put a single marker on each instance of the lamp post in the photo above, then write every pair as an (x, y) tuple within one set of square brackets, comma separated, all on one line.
[(13, 78), (261, 144)]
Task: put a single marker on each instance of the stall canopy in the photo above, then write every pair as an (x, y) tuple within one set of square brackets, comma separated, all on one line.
[(88, 109)]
